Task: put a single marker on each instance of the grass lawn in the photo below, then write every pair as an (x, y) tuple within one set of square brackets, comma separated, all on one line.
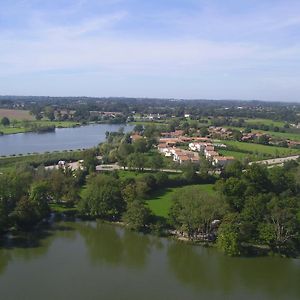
[(262, 149), (161, 201)]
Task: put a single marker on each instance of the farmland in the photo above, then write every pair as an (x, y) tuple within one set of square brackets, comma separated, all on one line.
[(16, 114)]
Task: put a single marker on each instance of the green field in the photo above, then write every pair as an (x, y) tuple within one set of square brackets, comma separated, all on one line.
[(262, 149), (282, 135), (265, 122), (161, 201)]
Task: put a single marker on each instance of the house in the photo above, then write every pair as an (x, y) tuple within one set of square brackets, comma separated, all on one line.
[(134, 137), (199, 147), (222, 161), (164, 149), (183, 156), (210, 154)]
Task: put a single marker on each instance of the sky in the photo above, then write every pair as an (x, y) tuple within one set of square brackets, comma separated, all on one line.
[(190, 49)]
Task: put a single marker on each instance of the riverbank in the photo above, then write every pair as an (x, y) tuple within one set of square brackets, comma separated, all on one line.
[(70, 138), (30, 126)]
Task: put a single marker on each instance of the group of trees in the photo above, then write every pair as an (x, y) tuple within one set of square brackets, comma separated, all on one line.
[(257, 209), (113, 199), (194, 213), (25, 195), (263, 209)]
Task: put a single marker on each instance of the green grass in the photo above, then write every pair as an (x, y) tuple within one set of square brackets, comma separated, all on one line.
[(12, 130), (161, 201), (235, 154), (60, 208), (132, 174), (262, 149), (158, 123)]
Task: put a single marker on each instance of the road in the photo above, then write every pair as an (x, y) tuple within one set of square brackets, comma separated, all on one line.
[(113, 167), (275, 161)]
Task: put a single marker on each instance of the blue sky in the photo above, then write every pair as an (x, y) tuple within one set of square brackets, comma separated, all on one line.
[(216, 49)]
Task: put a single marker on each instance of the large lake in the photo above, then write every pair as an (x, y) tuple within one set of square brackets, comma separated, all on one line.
[(92, 260), (62, 139)]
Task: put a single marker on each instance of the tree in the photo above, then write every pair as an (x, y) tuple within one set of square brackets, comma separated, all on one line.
[(90, 160), (256, 179), (31, 209), (137, 215), (49, 113), (39, 196), (140, 145), (123, 151), (193, 212), (156, 161), (136, 161), (234, 169), (138, 128), (281, 229), (233, 190), (5, 121), (24, 215), (228, 236), (37, 112), (204, 131), (102, 198), (13, 186), (189, 172)]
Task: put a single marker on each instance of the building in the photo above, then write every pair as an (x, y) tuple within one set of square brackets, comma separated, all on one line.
[(134, 137), (222, 161)]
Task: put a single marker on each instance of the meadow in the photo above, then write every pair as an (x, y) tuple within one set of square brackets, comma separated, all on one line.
[(161, 200)]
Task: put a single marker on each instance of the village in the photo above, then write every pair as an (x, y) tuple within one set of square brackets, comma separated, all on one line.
[(171, 145)]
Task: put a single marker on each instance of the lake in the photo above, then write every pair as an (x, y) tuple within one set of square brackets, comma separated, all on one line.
[(92, 260), (62, 139)]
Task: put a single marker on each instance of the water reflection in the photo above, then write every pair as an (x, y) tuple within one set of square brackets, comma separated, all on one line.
[(103, 256), (207, 270), (28, 246), (114, 246)]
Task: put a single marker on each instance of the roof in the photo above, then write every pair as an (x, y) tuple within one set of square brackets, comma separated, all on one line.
[(135, 137), (224, 158)]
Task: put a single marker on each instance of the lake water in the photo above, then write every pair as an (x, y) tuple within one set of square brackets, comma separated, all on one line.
[(62, 139), (92, 260)]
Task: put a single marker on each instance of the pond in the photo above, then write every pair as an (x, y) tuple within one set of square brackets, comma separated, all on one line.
[(92, 260), (62, 139)]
